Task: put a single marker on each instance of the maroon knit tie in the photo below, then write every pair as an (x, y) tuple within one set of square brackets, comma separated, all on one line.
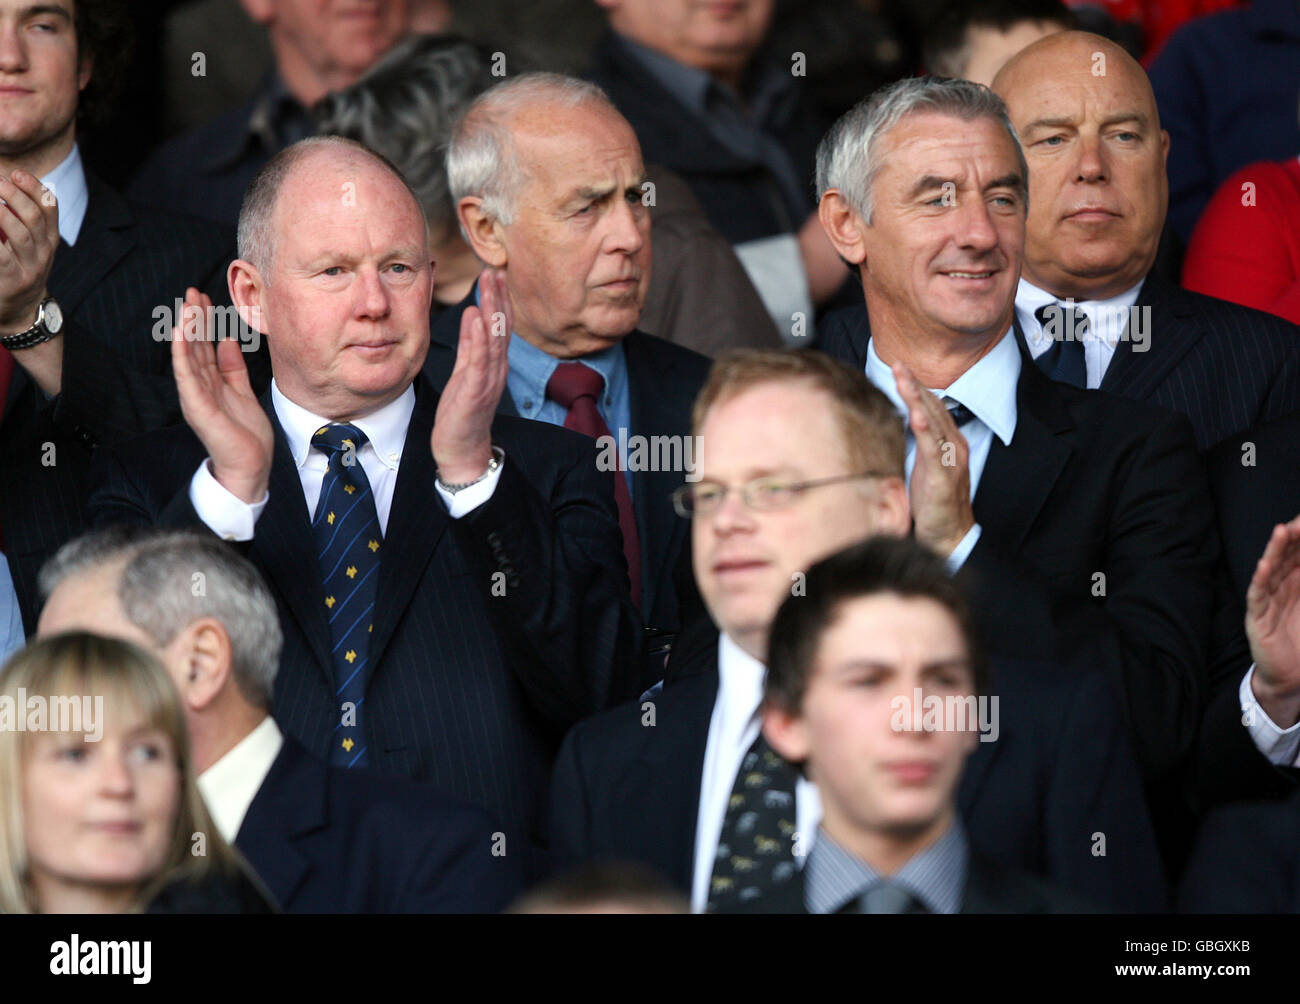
[(577, 388)]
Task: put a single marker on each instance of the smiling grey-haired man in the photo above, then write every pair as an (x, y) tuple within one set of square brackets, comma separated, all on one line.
[(1085, 520)]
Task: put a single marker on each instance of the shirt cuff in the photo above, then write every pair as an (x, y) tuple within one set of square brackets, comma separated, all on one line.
[(223, 512), (468, 499), (1280, 746), (963, 549)]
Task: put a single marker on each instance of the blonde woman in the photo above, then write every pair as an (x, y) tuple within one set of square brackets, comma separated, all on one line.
[(99, 812)]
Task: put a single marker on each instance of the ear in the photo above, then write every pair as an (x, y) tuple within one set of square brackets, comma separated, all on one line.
[(1164, 147), (202, 651), (246, 287), (843, 226), (85, 71), (260, 11), (894, 508), (786, 733), (483, 231)]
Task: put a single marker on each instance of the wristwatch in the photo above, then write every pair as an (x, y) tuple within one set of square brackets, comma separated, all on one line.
[(49, 322), (498, 456)]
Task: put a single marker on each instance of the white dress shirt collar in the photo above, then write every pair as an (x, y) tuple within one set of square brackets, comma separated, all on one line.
[(988, 388), (740, 686), (1106, 318), (229, 786), (68, 183), (385, 429)]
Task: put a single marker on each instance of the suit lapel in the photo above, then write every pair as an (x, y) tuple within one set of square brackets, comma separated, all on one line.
[(284, 547), (653, 413), (107, 235), (1171, 332), (1017, 479), (664, 786), (416, 521), (290, 803)]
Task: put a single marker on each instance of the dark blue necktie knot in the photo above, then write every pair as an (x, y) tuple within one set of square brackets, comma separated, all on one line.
[(338, 438)]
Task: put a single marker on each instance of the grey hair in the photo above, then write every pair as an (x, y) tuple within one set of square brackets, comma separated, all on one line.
[(256, 238), (482, 159), (405, 108), (847, 157), (170, 579)]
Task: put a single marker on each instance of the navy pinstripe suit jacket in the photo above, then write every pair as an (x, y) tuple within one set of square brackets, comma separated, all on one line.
[(117, 380), (472, 686)]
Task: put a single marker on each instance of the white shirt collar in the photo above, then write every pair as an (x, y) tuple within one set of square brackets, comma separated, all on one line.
[(68, 183), (229, 786), (385, 429), (740, 685), (1106, 318), (988, 388)]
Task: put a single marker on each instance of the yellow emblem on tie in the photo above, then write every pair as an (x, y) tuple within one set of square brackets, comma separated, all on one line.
[(373, 545), (330, 519), (351, 656), (371, 628), (329, 602), (349, 488), (352, 571), (347, 745)]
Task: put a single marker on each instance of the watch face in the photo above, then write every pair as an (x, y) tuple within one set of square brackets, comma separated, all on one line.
[(53, 316)]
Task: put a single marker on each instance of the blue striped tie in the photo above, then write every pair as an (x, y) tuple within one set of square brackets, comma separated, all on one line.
[(347, 535)]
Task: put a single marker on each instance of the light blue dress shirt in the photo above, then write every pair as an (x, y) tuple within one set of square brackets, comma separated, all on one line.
[(68, 183), (11, 621), (531, 370), (988, 389)]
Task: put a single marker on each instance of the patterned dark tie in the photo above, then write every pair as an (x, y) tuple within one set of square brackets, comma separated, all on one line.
[(756, 847), (1067, 327), (578, 387), (348, 539)]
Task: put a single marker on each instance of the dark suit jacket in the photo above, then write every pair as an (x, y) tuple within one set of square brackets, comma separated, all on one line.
[(129, 262), (990, 888), (740, 196), (1059, 773), (329, 840), (1224, 366), (476, 675), (663, 380), (1090, 484), (1247, 860), (1255, 478)]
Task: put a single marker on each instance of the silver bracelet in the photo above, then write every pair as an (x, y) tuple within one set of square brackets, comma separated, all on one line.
[(498, 458)]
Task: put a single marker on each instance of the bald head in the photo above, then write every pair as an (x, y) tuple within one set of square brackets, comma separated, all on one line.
[(258, 216), (1087, 119)]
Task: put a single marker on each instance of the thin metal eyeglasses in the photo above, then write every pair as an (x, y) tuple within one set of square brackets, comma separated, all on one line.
[(762, 494)]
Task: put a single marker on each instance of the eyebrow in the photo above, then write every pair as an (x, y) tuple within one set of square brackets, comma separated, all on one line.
[(47, 8), (930, 182), (316, 261), (595, 193), (957, 662), (1066, 123)]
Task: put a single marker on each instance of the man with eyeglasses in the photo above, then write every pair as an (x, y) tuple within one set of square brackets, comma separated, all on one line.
[(798, 458)]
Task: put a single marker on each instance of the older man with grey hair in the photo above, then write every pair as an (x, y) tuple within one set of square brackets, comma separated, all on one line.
[(407, 106), (1085, 520), (550, 189), (324, 840)]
